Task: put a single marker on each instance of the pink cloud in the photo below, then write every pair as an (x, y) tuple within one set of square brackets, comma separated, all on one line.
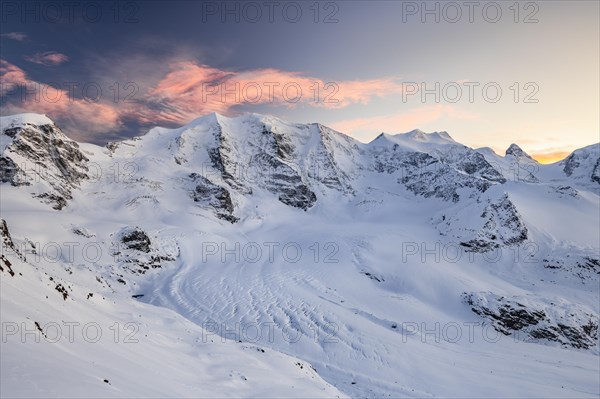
[(18, 36), (11, 74), (191, 89), (80, 116), (49, 58), (178, 96)]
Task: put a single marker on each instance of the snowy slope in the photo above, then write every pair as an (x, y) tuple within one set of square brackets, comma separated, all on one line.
[(402, 267), (110, 345)]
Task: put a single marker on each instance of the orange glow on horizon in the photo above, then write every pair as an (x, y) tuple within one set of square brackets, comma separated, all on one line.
[(550, 157)]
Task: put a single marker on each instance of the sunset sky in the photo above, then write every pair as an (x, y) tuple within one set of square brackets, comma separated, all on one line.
[(106, 70)]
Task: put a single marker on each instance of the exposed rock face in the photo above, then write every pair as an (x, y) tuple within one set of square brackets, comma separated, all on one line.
[(282, 177), (11, 173), (135, 252), (583, 164), (596, 172), (43, 154), (408, 163), (82, 231), (474, 164), (517, 165), (322, 164), (224, 160), (503, 225), (7, 241), (517, 152), (585, 267), (208, 194), (268, 162), (564, 191), (299, 197), (8, 247), (498, 225), (571, 163), (136, 239), (441, 175), (565, 323), (57, 201)]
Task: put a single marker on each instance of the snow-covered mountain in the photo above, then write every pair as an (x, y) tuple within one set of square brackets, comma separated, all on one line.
[(250, 256)]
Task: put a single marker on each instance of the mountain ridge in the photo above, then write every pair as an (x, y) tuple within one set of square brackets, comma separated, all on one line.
[(417, 134)]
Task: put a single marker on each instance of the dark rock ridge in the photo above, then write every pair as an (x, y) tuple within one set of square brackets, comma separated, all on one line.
[(281, 177), (210, 195), (135, 252), (565, 323), (8, 248)]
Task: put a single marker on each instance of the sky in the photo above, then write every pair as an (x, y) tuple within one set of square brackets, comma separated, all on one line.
[(488, 73)]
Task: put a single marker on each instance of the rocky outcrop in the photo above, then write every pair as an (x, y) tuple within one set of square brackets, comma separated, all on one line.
[(583, 164), (518, 153), (439, 175), (8, 249), (498, 225), (572, 162), (585, 267), (568, 324), (133, 250), (596, 172), (210, 195), (42, 156), (11, 173), (136, 239), (563, 191)]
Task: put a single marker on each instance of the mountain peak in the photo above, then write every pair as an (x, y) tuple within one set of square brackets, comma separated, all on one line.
[(22, 119), (517, 152), (419, 135), (416, 134)]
